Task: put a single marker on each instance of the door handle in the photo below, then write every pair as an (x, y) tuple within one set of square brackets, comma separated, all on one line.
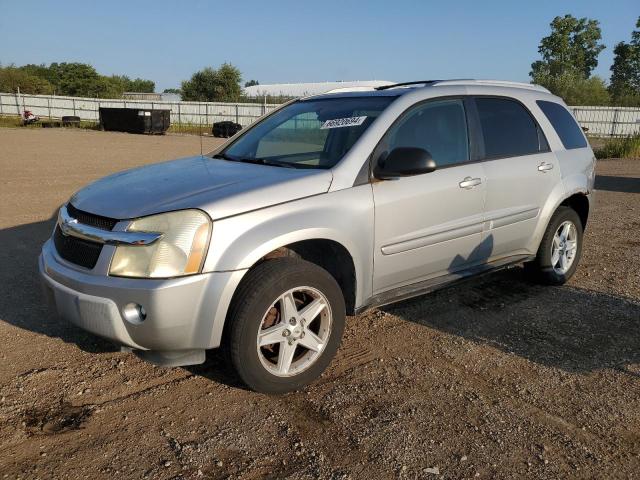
[(469, 182), (544, 166)]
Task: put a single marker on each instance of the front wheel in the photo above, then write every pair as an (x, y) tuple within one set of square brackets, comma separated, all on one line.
[(560, 249), (285, 325)]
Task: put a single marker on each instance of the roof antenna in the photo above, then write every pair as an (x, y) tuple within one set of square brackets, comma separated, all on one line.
[(200, 118)]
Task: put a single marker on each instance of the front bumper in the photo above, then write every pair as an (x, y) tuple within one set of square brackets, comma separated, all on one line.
[(184, 316)]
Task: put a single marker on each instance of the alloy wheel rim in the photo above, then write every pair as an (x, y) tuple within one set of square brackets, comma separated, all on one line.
[(564, 247), (294, 331)]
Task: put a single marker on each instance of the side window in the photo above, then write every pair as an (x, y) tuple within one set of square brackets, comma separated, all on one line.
[(564, 124), (440, 127), (508, 129)]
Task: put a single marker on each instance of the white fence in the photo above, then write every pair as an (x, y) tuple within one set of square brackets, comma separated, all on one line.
[(193, 113), (600, 121), (609, 121)]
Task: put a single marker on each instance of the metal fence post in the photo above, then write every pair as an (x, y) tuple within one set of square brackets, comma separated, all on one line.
[(179, 115), (237, 113), (615, 121), (73, 102), (49, 106)]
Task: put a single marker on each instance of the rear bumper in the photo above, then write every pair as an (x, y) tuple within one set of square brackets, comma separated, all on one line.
[(184, 316)]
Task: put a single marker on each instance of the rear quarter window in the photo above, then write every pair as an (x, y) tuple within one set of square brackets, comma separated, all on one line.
[(564, 124)]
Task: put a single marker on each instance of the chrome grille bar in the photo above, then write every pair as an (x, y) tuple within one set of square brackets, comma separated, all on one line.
[(71, 227)]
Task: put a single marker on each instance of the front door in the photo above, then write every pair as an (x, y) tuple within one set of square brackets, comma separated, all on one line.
[(429, 225)]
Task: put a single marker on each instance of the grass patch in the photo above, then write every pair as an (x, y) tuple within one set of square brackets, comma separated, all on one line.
[(15, 122), (191, 129), (624, 147)]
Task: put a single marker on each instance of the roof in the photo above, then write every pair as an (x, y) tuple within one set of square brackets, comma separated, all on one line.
[(405, 87)]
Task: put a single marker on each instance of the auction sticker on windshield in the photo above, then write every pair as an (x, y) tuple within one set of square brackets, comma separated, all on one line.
[(343, 122)]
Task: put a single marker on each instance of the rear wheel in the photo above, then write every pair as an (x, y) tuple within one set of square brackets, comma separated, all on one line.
[(285, 325), (560, 249)]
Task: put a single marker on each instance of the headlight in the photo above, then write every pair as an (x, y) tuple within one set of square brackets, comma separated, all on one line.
[(180, 250)]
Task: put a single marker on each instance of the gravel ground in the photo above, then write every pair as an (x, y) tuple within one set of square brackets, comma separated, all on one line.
[(494, 378)]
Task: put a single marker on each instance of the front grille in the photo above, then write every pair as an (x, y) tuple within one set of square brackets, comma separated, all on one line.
[(97, 221), (76, 250)]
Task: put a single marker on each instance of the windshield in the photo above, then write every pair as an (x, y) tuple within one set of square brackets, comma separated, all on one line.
[(308, 133)]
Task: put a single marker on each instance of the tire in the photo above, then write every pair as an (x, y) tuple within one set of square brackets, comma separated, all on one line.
[(542, 269), (258, 307)]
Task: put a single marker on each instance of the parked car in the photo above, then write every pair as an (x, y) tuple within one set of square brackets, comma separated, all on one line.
[(326, 207)]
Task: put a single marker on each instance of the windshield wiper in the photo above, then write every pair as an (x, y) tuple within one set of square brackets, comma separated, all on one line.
[(266, 161), (224, 156), (258, 161)]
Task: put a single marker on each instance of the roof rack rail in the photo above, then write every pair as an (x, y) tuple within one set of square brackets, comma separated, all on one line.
[(467, 81), (423, 82), (402, 84), (497, 83)]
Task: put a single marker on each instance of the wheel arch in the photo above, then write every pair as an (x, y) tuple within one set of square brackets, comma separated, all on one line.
[(326, 253), (580, 203), (578, 199)]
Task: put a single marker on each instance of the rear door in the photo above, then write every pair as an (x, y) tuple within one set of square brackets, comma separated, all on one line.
[(521, 173), (428, 225)]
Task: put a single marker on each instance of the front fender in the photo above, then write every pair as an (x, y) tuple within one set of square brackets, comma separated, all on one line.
[(345, 216)]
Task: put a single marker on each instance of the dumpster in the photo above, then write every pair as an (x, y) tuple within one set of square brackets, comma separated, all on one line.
[(135, 120)]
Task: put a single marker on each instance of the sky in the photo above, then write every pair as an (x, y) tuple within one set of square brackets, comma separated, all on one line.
[(296, 41)]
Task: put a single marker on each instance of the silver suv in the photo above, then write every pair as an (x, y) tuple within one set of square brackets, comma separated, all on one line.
[(326, 207)]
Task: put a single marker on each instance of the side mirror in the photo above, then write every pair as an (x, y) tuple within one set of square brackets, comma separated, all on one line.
[(404, 162)]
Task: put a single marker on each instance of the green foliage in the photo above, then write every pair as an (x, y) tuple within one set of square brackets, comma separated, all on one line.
[(13, 79), (175, 91), (571, 47), (569, 55), (625, 71), (574, 89), (251, 83), (138, 85), (211, 85), (626, 147), (70, 79)]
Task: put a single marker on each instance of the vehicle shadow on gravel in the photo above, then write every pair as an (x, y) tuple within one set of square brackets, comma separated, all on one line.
[(569, 328), (617, 184), (217, 369), (22, 302)]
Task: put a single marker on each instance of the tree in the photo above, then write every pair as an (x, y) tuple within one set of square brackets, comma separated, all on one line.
[(577, 90), (571, 47), (211, 85), (175, 91), (13, 79), (140, 85), (251, 83), (82, 80), (125, 84), (72, 79), (625, 71)]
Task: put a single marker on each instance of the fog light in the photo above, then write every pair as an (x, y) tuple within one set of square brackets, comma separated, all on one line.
[(134, 313)]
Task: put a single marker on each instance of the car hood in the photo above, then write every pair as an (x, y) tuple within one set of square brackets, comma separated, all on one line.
[(222, 188)]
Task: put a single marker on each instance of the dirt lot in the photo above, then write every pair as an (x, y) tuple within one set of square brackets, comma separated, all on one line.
[(496, 378)]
